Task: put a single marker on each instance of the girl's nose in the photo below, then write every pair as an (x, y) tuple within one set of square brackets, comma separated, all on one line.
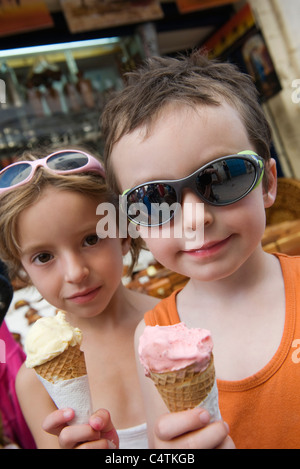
[(75, 269)]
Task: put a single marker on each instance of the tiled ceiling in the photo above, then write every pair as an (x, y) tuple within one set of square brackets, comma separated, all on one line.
[(176, 32)]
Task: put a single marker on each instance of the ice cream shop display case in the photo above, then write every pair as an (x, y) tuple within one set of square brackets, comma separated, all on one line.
[(53, 95)]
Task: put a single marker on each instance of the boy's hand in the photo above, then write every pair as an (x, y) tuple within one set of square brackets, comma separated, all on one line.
[(191, 430), (98, 433)]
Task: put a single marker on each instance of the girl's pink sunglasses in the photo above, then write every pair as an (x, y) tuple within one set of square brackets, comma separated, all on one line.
[(60, 162)]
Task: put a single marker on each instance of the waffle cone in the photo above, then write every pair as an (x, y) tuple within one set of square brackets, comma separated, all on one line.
[(68, 365), (186, 388)]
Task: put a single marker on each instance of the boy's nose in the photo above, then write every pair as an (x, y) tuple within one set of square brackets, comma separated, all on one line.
[(195, 212)]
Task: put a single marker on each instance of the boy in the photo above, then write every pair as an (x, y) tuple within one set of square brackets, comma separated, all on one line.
[(176, 121)]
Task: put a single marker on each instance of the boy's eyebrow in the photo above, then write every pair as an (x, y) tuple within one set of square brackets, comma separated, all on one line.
[(207, 160)]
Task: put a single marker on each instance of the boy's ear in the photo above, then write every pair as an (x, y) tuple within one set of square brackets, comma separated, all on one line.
[(270, 195)]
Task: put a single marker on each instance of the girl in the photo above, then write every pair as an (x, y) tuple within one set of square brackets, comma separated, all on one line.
[(48, 236)]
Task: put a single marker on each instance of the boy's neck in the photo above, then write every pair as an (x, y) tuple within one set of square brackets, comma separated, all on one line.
[(241, 286)]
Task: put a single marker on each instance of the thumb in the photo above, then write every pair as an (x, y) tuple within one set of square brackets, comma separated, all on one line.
[(57, 420), (101, 421)]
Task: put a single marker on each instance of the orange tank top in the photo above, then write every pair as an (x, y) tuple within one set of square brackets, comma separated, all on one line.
[(263, 410)]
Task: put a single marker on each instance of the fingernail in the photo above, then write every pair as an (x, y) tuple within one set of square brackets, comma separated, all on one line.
[(227, 426), (204, 417), (68, 414), (98, 423)]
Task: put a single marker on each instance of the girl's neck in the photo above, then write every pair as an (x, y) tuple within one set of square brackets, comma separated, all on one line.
[(111, 317)]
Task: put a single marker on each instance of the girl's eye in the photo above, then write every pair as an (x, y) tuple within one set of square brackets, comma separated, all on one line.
[(91, 240), (42, 258)]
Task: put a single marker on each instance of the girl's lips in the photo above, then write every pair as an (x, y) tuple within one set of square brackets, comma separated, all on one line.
[(84, 296), (209, 249)]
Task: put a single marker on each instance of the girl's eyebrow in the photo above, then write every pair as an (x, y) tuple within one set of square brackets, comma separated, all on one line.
[(38, 247), (33, 248)]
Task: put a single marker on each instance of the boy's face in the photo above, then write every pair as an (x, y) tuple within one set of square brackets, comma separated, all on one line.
[(180, 141)]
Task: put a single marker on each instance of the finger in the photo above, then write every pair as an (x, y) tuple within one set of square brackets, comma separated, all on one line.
[(101, 421), (100, 444), (172, 425), (210, 437), (57, 420), (74, 435), (227, 444)]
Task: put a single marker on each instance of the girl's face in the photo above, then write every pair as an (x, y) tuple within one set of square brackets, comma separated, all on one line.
[(73, 269), (181, 141)]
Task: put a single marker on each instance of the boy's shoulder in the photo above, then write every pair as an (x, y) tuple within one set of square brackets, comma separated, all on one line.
[(290, 267), (289, 264), (164, 313)]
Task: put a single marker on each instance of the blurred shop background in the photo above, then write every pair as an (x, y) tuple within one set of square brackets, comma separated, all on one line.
[(60, 61)]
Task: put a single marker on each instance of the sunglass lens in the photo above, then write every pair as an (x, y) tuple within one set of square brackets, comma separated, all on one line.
[(67, 161), (226, 181), (150, 205), (14, 175)]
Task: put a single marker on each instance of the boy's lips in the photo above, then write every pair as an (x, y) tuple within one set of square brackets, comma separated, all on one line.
[(209, 248), (84, 296)]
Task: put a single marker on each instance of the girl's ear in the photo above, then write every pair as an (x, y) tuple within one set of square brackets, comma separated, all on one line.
[(126, 243), (270, 195)]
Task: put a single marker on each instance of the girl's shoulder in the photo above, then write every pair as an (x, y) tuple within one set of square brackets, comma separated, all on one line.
[(142, 301)]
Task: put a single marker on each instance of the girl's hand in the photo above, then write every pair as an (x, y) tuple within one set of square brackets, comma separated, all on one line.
[(98, 433), (191, 430)]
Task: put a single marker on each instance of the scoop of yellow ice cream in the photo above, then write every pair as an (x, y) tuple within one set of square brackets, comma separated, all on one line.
[(48, 338)]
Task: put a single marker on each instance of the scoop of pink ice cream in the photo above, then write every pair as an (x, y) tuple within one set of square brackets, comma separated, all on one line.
[(169, 348)]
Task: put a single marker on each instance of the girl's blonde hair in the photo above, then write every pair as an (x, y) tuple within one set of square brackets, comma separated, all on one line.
[(13, 202)]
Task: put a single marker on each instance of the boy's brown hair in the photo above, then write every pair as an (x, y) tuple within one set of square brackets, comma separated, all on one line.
[(193, 80)]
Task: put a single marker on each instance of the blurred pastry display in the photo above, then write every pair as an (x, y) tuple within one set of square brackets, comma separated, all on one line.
[(157, 281)]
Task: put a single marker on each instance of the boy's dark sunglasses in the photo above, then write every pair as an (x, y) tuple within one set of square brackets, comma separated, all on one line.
[(220, 182)]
